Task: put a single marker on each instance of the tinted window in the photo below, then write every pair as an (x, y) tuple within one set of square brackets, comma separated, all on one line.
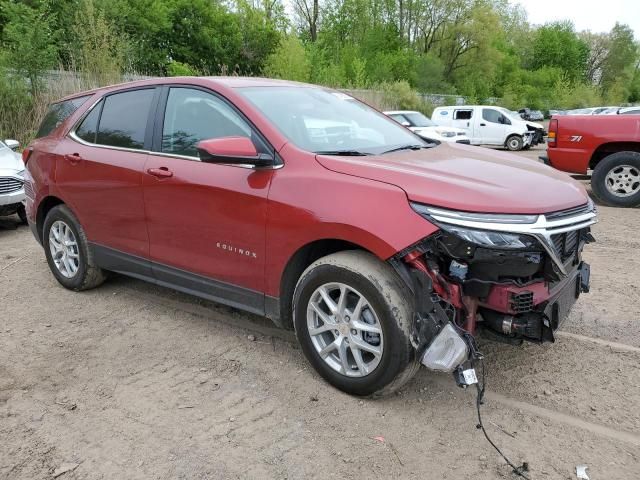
[(491, 115), (124, 119), (58, 113), (193, 115), (89, 127), (462, 114)]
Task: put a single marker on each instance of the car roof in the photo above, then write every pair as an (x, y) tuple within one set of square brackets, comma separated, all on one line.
[(229, 82)]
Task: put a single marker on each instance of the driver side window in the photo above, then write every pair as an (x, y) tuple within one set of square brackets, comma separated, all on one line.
[(193, 115)]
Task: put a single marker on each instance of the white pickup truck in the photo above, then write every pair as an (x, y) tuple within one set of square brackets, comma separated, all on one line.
[(489, 125)]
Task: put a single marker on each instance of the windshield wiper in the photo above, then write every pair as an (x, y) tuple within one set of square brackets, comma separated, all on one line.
[(415, 146), (344, 153)]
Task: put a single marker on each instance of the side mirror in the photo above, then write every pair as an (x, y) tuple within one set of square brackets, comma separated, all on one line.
[(406, 124), (12, 144), (232, 150)]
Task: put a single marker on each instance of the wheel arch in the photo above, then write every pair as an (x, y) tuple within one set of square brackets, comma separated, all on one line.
[(298, 263), (44, 208), (609, 148)]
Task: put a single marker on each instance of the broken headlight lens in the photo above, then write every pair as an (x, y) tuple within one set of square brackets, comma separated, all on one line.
[(490, 239)]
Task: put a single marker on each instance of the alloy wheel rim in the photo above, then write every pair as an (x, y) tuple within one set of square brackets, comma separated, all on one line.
[(345, 330), (623, 181), (514, 143), (64, 249)]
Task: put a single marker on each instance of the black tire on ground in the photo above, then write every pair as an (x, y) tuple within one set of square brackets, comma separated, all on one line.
[(22, 213), (514, 143), (390, 299), (88, 274), (615, 164)]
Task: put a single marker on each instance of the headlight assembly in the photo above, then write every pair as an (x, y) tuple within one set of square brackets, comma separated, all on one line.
[(490, 239), (481, 229)]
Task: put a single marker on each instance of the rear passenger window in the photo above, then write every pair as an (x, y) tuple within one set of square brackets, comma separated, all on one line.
[(124, 119), (88, 129), (462, 114), (193, 115), (58, 113)]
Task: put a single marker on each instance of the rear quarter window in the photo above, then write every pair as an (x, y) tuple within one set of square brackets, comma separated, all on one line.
[(58, 113)]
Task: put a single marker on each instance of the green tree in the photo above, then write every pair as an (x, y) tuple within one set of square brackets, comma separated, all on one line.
[(29, 41), (289, 61), (558, 45), (98, 50)]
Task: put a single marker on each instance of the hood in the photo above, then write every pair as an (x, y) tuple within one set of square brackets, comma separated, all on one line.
[(473, 179), (10, 161), (535, 125)]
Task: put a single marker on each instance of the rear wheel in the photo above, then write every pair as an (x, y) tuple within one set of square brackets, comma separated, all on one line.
[(616, 179), (67, 251), (514, 143), (352, 316)]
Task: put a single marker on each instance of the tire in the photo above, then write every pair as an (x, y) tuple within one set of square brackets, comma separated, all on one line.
[(616, 179), (514, 143), (86, 274), (22, 213), (388, 309)]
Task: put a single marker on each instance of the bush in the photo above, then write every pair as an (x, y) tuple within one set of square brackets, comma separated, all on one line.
[(400, 95), (289, 61), (179, 69), (17, 107)]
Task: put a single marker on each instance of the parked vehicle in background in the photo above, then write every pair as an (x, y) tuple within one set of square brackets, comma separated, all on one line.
[(556, 112), (423, 126), (603, 110), (11, 180), (531, 115), (582, 111), (489, 125), (609, 145), (383, 250), (629, 111)]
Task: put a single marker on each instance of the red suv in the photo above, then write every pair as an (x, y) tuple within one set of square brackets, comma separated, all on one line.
[(382, 250)]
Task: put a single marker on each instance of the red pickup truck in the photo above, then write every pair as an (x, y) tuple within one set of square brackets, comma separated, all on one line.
[(608, 145)]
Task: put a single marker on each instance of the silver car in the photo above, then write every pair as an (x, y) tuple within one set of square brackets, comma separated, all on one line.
[(11, 180)]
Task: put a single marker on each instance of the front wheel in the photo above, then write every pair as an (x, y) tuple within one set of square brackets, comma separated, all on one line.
[(514, 143), (352, 316), (616, 179)]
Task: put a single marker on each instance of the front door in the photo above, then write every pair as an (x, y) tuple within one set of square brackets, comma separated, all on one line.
[(206, 221), (492, 127)]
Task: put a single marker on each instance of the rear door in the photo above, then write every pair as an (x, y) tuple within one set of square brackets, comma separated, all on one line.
[(99, 173), (206, 221), (463, 118)]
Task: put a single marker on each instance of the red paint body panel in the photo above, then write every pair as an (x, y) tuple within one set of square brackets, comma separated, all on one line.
[(468, 178), (573, 155), (202, 208)]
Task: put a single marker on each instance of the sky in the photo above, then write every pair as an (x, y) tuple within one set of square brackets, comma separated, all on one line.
[(594, 15)]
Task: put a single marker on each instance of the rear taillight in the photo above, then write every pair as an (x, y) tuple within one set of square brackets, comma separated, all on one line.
[(26, 154), (552, 137)]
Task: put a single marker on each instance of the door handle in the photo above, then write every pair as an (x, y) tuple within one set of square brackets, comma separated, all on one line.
[(162, 172), (483, 124), (73, 158)]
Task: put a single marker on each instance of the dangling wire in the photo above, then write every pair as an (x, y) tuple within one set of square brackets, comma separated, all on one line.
[(480, 426)]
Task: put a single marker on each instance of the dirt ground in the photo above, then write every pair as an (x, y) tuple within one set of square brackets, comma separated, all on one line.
[(133, 381)]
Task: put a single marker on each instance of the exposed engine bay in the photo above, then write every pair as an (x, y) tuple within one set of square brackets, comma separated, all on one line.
[(520, 287)]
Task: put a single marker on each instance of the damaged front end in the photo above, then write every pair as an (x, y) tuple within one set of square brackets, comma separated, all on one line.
[(514, 277)]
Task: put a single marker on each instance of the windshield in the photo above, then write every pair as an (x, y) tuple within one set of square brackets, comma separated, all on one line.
[(319, 120), (419, 120)]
